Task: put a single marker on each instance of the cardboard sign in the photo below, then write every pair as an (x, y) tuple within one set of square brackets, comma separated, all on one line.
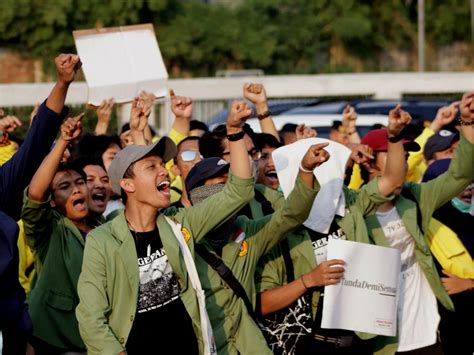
[(366, 298), (119, 62)]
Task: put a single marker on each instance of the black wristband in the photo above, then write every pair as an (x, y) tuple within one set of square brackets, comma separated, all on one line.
[(236, 136), (264, 114), (395, 139)]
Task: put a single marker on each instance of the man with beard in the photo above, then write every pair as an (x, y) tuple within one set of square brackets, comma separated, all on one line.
[(129, 301)]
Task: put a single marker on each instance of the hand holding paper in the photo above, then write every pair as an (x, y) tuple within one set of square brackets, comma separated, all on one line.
[(326, 273)]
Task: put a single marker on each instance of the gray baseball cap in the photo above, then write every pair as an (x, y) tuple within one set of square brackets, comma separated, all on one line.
[(164, 148)]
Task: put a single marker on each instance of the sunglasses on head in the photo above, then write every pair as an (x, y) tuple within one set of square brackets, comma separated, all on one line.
[(189, 155)]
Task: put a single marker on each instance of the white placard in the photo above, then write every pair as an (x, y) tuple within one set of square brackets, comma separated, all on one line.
[(119, 62), (365, 300)]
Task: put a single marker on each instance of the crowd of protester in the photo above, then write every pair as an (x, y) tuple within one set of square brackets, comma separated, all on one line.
[(131, 243)]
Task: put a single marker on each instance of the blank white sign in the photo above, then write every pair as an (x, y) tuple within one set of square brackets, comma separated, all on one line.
[(119, 62)]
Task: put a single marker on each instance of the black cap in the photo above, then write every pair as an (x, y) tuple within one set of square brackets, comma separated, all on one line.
[(438, 142), (435, 169), (205, 169)]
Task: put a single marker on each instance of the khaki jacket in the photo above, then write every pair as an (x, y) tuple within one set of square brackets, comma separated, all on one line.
[(109, 281)]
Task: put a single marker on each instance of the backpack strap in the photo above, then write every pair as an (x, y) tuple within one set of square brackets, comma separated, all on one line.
[(226, 274)]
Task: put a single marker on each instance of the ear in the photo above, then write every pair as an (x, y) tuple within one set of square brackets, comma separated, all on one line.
[(127, 185)]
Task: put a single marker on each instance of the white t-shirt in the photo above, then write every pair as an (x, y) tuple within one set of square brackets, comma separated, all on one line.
[(418, 316)]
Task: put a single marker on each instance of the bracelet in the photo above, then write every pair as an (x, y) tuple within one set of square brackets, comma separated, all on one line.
[(304, 170), (395, 139), (263, 115), (464, 123), (236, 136), (302, 281)]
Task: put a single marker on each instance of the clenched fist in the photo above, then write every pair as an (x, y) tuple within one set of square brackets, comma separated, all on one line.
[(239, 113), (71, 128), (397, 120), (67, 66)]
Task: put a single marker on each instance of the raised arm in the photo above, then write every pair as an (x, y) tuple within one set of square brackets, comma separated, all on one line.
[(256, 94), (182, 108), (395, 169), (239, 159), (466, 120), (16, 174), (349, 122), (138, 122), (104, 112), (67, 66), (39, 186)]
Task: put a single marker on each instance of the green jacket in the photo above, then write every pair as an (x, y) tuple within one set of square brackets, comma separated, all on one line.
[(430, 196), (234, 329), (58, 247), (108, 284), (271, 271), (361, 225)]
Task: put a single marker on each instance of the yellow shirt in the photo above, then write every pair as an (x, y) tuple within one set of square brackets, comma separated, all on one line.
[(26, 270), (6, 152)]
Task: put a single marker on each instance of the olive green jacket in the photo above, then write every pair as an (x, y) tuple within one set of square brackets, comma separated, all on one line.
[(108, 284), (234, 329)]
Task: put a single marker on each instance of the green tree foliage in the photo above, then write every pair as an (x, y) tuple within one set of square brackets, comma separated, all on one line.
[(279, 36)]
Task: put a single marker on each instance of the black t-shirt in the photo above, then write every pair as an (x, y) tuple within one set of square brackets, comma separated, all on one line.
[(320, 241), (161, 315)]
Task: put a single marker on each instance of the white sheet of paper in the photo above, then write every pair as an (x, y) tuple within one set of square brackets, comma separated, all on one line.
[(330, 199), (365, 300), (121, 63)]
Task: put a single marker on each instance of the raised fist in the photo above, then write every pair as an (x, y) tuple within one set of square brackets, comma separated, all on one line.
[(238, 114), (181, 106), (467, 107), (397, 120), (255, 93), (315, 156), (349, 114), (71, 128), (302, 131), (138, 115), (67, 66)]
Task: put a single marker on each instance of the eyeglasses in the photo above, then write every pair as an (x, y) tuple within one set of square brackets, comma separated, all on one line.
[(189, 155), (254, 153)]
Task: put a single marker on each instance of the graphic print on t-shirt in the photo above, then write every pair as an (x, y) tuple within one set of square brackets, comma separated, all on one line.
[(158, 284), (320, 241)]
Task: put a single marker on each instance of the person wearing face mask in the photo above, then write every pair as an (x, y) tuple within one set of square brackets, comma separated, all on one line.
[(237, 246), (458, 215)]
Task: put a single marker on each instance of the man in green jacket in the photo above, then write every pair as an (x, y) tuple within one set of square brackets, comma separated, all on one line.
[(402, 223), (238, 244), (138, 288), (291, 306)]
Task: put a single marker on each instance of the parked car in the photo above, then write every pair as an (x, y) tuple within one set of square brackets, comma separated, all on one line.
[(322, 123)]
